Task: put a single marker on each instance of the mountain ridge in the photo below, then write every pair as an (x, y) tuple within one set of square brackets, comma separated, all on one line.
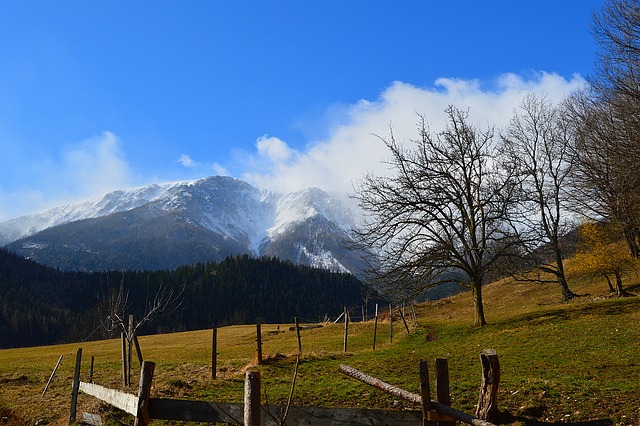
[(190, 221)]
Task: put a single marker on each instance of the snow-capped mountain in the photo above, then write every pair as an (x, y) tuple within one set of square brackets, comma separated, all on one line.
[(164, 226)]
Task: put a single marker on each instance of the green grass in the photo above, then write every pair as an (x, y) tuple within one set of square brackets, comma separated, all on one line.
[(560, 362)]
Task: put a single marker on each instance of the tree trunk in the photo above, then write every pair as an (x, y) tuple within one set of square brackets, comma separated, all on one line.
[(630, 235), (619, 289), (566, 293), (611, 289), (479, 320)]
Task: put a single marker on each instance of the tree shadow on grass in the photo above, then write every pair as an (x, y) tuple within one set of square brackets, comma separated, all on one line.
[(624, 305)]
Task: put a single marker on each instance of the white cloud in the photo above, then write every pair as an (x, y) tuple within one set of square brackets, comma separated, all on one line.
[(202, 167), (273, 149), (352, 149), (334, 163), (219, 169), (95, 166), (186, 161), (86, 169)]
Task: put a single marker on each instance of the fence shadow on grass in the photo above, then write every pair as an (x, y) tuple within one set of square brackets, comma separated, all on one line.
[(507, 418)]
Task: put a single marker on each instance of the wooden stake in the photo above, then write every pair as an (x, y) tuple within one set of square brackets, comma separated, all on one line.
[(138, 352), (488, 399), (252, 399), (76, 387), (425, 392), (130, 349), (93, 358), (442, 386), (214, 353), (298, 336), (346, 328), (124, 359), (146, 379), (413, 315), (390, 323), (51, 377), (259, 343), (404, 320), (375, 328)]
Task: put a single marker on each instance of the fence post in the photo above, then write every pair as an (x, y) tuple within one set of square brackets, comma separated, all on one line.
[(488, 399), (346, 328), (375, 328), (76, 387), (442, 386), (413, 315), (124, 360), (425, 392), (146, 378), (252, 399), (404, 320), (138, 352), (390, 323), (297, 321), (259, 343), (130, 349), (93, 358), (214, 353)]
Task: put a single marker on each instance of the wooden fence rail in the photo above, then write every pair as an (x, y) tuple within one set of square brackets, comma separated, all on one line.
[(251, 413), (144, 408), (415, 398)]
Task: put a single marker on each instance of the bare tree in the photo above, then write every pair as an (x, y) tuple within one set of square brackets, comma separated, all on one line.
[(607, 122), (441, 216), (616, 29), (118, 308), (606, 175), (537, 142)]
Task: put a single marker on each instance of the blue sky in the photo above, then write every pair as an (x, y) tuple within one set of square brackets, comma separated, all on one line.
[(98, 95)]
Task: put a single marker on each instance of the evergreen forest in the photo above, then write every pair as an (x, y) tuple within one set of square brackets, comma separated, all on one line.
[(41, 305)]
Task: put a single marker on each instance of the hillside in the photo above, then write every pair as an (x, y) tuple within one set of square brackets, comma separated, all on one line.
[(561, 362)]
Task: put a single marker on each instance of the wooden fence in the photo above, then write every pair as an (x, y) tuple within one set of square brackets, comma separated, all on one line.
[(252, 413)]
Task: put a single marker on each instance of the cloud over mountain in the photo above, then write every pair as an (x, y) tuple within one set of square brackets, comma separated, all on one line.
[(353, 146)]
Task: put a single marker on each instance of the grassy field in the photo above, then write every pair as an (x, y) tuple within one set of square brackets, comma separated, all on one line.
[(561, 362)]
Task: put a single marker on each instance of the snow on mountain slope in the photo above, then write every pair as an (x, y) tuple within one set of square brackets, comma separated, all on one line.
[(306, 226), (298, 206), (112, 202)]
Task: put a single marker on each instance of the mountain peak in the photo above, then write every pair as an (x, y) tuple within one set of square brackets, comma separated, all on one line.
[(189, 221)]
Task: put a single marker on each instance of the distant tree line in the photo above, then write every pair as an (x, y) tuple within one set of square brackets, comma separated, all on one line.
[(41, 305)]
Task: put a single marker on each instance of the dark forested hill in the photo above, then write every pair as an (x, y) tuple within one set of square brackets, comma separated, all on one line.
[(40, 305)]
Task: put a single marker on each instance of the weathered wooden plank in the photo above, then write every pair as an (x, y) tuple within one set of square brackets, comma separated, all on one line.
[(458, 415), (124, 401), (171, 409), (197, 411), (377, 383)]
